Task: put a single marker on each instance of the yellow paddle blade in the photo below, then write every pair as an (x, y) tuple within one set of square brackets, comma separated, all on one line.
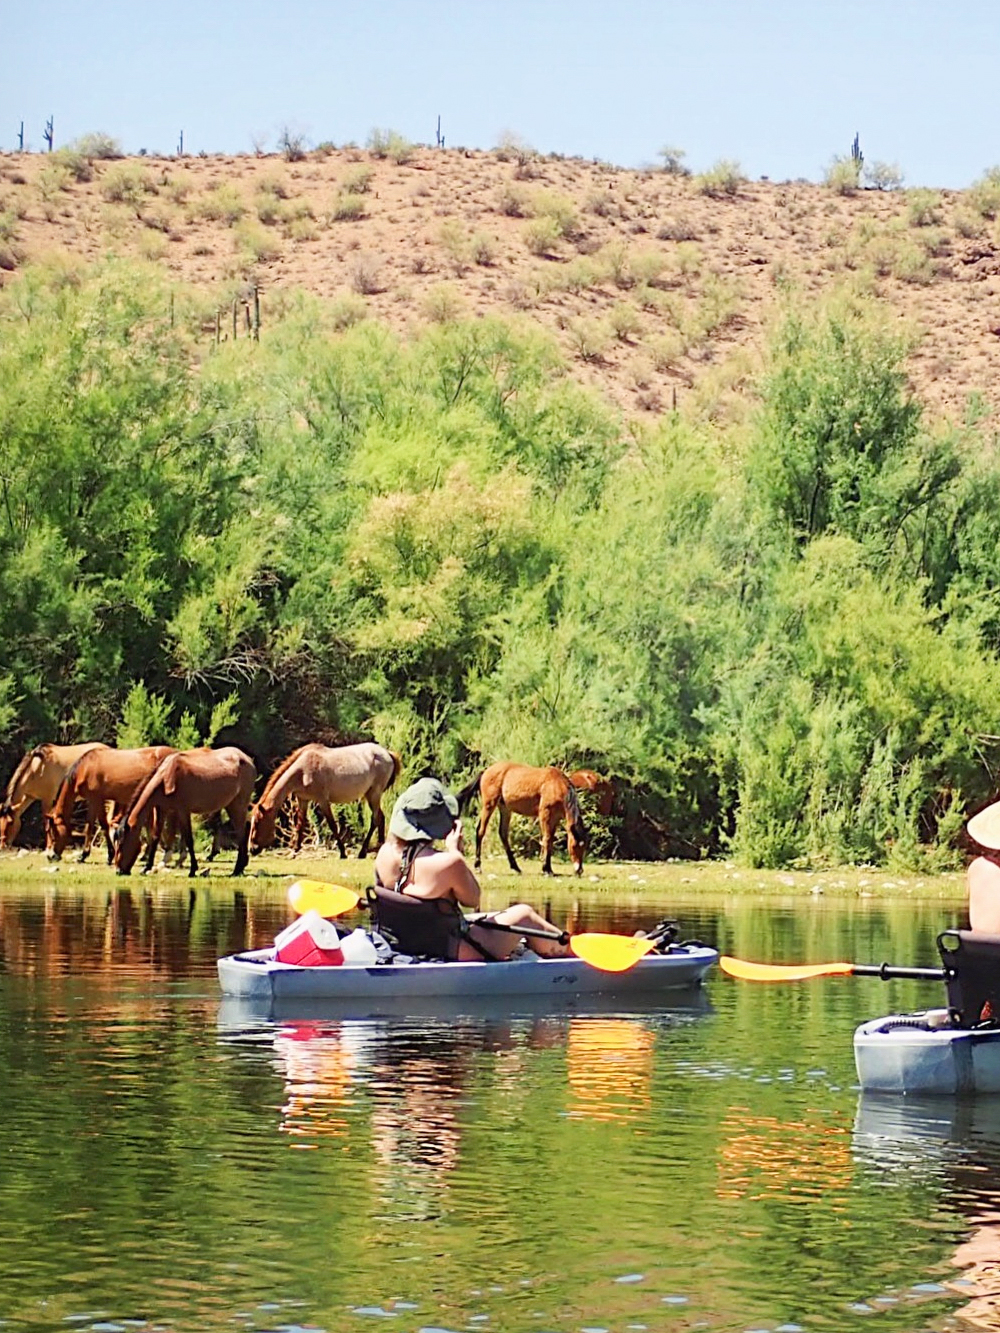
[(610, 953), (736, 967), (313, 895)]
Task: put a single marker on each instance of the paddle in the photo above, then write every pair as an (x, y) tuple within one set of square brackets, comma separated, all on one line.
[(737, 967), (608, 953)]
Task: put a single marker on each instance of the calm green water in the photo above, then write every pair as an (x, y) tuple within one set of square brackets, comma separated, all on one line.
[(169, 1162)]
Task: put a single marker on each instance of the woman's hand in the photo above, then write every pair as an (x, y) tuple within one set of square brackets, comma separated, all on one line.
[(455, 837)]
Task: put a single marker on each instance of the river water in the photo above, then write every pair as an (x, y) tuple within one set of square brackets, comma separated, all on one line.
[(170, 1162)]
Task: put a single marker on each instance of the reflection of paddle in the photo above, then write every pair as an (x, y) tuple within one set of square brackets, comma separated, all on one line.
[(736, 967), (609, 953)]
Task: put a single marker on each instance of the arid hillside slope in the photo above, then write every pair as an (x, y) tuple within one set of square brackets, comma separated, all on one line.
[(658, 287)]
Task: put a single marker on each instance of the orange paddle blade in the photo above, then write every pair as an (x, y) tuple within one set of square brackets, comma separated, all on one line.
[(736, 967), (610, 953), (313, 895)]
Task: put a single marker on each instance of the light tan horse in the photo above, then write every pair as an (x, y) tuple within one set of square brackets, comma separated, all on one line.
[(545, 794), (186, 783), (326, 776), (100, 778), (585, 779), (37, 778)]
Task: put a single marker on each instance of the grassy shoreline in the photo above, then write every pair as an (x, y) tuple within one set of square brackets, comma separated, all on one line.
[(669, 880)]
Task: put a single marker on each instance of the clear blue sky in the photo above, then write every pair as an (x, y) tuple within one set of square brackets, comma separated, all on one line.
[(780, 86)]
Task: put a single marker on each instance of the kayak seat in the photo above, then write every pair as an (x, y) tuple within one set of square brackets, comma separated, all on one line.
[(972, 977)]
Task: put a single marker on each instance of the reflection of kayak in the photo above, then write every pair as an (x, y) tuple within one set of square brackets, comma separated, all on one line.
[(923, 1054), (239, 1014), (256, 975)]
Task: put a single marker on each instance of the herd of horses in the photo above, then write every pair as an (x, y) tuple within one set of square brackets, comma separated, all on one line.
[(153, 792)]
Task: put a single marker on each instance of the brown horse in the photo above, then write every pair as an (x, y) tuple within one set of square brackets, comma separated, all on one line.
[(328, 776), (585, 779), (37, 778), (545, 794), (186, 783), (99, 778)]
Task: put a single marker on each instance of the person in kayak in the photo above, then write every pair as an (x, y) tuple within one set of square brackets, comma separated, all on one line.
[(420, 890), (983, 875)]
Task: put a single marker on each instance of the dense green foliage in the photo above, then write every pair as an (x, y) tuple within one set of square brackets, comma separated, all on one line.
[(781, 639)]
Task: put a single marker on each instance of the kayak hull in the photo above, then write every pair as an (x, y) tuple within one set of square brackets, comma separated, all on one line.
[(921, 1055), (255, 975)]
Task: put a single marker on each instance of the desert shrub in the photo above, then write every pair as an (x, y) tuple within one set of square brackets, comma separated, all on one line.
[(624, 321), (911, 264), (273, 185), (968, 222), (513, 202), (220, 203), (348, 208), (542, 236), (292, 145), (590, 339), (678, 229), (511, 147), (602, 203), (483, 249), (688, 258), (455, 242), (269, 209), (666, 349), (97, 147), (673, 161), (560, 208), (53, 178), (443, 304), (302, 229), (255, 244), (75, 163), (647, 266), (126, 183), (722, 181), (358, 180), (390, 144), (179, 186), (366, 275), (923, 208), (843, 175), (883, 175), (984, 194), (153, 245), (347, 310)]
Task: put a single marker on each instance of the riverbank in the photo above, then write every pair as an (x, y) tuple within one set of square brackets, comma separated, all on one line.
[(660, 881)]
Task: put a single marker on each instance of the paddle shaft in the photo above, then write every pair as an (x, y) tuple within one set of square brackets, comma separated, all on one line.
[(559, 936), (887, 973)]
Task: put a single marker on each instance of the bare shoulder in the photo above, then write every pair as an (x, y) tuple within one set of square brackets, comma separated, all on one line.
[(434, 872)]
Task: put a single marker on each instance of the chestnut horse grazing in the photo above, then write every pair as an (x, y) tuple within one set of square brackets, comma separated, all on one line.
[(585, 779), (188, 782), (545, 794), (98, 777), (37, 778), (328, 776)]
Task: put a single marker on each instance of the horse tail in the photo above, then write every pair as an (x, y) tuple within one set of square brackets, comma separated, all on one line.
[(143, 792), (572, 803), (68, 783), (397, 765), (470, 790)]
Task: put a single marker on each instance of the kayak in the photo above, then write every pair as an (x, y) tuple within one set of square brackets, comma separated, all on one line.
[(923, 1054), (257, 975)]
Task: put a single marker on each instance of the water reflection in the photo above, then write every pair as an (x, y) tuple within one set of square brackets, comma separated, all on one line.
[(609, 1068), (954, 1143)]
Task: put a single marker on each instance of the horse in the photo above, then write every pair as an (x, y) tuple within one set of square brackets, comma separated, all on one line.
[(37, 778), (545, 794), (326, 775), (585, 779), (186, 783), (100, 777)]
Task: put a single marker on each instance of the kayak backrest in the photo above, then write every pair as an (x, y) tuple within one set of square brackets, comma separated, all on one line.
[(972, 976)]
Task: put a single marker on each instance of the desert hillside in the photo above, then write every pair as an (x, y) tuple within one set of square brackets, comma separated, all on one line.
[(657, 286)]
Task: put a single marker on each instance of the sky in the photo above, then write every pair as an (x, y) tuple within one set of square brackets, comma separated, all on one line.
[(778, 87)]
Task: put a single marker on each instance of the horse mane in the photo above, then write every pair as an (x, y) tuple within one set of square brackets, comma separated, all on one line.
[(21, 768), (282, 767)]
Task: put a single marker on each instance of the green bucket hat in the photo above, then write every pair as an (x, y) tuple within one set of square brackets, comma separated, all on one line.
[(424, 810)]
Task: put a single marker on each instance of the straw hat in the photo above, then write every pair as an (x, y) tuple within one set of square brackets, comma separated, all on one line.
[(984, 828)]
